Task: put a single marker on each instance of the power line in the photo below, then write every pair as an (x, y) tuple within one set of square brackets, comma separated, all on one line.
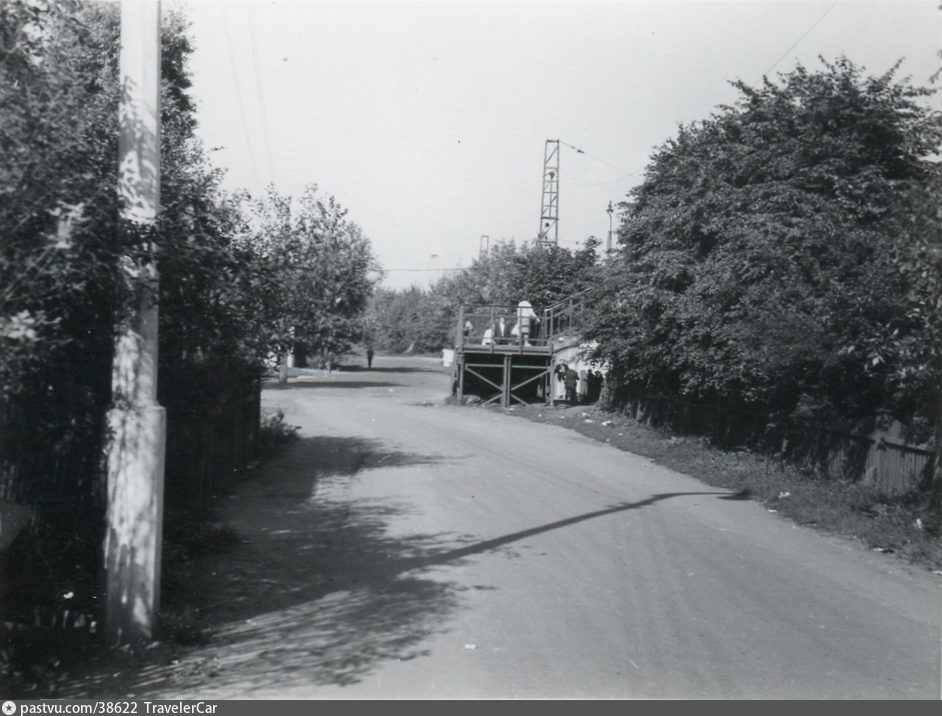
[(259, 91), (803, 36), (456, 268), (600, 160), (605, 183), (238, 89), (305, 267)]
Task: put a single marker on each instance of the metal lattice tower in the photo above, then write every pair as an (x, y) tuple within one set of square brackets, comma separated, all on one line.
[(549, 213)]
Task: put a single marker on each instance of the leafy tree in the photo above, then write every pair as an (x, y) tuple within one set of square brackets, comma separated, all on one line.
[(318, 272), (56, 181), (59, 257), (766, 260), (412, 320), (59, 94)]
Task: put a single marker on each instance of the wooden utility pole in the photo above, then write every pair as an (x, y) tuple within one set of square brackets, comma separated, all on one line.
[(136, 423), (610, 211)]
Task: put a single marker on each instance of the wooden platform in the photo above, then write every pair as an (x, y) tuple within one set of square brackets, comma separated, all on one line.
[(503, 368)]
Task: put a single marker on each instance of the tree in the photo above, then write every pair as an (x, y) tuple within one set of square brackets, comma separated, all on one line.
[(765, 261), (318, 272), (60, 253)]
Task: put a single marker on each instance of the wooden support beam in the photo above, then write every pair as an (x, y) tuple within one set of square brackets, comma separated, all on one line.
[(544, 370)]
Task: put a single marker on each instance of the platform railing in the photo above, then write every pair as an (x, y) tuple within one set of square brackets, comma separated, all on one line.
[(498, 327), (481, 326)]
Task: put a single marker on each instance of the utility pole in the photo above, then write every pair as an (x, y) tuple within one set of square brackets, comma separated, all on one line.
[(610, 210), (136, 423)]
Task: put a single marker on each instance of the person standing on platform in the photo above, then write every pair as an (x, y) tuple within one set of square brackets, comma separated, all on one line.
[(501, 331), (526, 318)]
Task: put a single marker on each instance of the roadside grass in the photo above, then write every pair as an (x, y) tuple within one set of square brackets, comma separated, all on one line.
[(892, 524)]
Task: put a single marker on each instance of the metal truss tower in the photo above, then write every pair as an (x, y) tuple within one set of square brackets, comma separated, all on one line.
[(549, 213)]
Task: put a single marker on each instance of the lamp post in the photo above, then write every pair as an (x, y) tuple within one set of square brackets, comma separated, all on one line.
[(610, 210)]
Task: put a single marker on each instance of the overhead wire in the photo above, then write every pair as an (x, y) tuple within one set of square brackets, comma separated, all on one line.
[(605, 183), (260, 92), (456, 268), (802, 37), (238, 89), (601, 161)]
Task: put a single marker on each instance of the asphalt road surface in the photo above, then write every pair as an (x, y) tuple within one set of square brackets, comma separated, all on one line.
[(408, 549)]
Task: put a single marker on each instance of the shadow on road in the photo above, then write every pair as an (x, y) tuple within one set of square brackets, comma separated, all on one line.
[(327, 383), (318, 592), (387, 369)]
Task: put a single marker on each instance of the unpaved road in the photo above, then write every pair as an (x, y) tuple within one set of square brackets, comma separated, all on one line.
[(403, 548)]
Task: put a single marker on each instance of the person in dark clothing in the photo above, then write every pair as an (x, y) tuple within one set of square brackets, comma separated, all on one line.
[(571, 379), (369, 357), (594, 386)]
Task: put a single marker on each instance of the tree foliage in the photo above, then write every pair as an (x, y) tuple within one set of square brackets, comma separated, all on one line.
[(317, 271), (778, 253), (62, 247), (424, 320)]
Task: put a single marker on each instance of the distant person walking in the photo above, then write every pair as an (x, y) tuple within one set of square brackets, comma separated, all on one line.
[(369, 357)]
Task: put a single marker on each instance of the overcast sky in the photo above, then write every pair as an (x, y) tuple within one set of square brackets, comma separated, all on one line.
[(428, 119)]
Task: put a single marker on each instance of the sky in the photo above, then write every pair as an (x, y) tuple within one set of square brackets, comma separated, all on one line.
[(428, 120)]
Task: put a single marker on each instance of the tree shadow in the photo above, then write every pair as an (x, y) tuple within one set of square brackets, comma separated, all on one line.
[(324, 384), (318, 592), (386, 369)]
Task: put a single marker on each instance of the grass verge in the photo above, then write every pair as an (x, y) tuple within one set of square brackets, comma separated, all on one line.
[(892, 524)]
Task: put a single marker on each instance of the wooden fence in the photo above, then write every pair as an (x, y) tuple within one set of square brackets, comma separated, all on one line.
[(51, 462), (207, 448), (888, 465)]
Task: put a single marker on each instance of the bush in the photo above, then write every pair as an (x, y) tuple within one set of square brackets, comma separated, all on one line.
[(275, 430)]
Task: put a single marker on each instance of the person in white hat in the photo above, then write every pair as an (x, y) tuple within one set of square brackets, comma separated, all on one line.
[(525, 318)]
